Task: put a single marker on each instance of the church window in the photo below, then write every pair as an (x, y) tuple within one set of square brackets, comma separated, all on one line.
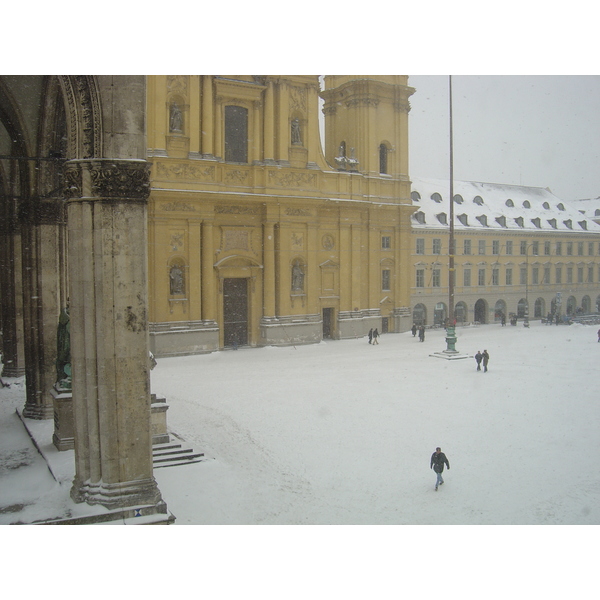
[(236, 134)]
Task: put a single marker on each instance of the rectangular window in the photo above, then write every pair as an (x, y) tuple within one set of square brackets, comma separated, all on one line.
[(547, 248), (435, 282), (386, 242), (236, 134), (481, 277), (558, 248), (495, 247), (508, 276), (481, 247), (569, 248), (420, 278), (523, 248), (558, 274), (467, 277), (591, 248), (547, 275), (590, 274), (467, 247), (579, 274), (569, 274), (535, 274), (509, 247), (495, 276), (523, 273), (535, 248), (385, 280), (580, 248), (437, 246), (420, 246)]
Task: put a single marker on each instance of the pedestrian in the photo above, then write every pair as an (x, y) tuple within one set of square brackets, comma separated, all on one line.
[(375, 336), (370, 335), (414, 330), (438, 458), (486, 359), (599, 335), (557, 318), (422, 333), (478, 358), (503, 318)]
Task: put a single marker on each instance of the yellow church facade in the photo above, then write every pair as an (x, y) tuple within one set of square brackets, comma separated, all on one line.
[(256, 237)]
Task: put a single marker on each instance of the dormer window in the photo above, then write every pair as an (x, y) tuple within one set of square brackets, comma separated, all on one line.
[(442, 218), (510, 203), (436, 197), (546, 205), (560, 206), (483, 220), (519, 221), (552, 223), (583, 224), (526, 204), (415, 196), (568, 223), (463, 218), (478, 200), (537, 222), (458, 199), (501, 221), (419, 217)]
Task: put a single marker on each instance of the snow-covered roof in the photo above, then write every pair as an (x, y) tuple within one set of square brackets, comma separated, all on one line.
[(589, 207), (493, 206)]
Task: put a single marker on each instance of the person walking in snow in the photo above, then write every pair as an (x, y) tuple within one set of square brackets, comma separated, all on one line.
[(370, 335), (414, 330), (422, 333), (478, 358), (438, 459), (486, 359), (375, 336)]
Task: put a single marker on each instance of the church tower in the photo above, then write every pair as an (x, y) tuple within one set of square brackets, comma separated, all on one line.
[(366, 123)]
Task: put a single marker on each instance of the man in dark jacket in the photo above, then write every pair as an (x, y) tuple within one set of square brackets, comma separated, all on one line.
[(486, 359), (478, 358), (438, 458)]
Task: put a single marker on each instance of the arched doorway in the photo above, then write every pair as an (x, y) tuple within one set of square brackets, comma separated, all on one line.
[(539, 309), (481, 311), (420, 315), (460, 312), (571, 305), (586, 305), (522, 308), (499, 310), (440, 314)]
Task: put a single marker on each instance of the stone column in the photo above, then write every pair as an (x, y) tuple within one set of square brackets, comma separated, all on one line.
[(209, 309), (207, 119), (107, 227), (269, 116), (269, 270)]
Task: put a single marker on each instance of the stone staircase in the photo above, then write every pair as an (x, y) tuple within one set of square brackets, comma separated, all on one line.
[(174, 454)]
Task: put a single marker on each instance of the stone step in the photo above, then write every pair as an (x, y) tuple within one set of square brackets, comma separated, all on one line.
[(178, 464), (179, 457), (179, 451), (168, 446)]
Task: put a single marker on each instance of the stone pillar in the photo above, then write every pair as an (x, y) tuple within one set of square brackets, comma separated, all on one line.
[(269, 270), (207, 119), (269, 116), (209, 310), (107, 227)]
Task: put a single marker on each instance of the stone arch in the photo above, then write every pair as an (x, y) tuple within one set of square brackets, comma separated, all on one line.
[(539, 308), (586, 305), (420, 314), (571, 305), (481, 309), (522, 308), (461, 312), (499, 310), (440, 314)]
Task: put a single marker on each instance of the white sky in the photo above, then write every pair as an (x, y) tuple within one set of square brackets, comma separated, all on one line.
[(541, 131)]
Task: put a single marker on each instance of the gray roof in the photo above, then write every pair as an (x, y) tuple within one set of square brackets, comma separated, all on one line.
[(493, 206)]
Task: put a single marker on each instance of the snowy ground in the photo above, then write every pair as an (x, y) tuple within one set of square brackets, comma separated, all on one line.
[(342, 432)]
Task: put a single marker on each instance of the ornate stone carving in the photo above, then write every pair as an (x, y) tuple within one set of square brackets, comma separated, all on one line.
[(73, 181), (185, 171), (178, 206), (236, 176), (237, 210), (236, 239), (177, 84), (328, 242), (293, 179), (298, 99), (297, 241), (297, 212), (120, 179)]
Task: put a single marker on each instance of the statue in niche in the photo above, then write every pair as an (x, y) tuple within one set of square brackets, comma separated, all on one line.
[(297, 277), (296, 135), (176, 280), (63, 350), (175, 119)]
